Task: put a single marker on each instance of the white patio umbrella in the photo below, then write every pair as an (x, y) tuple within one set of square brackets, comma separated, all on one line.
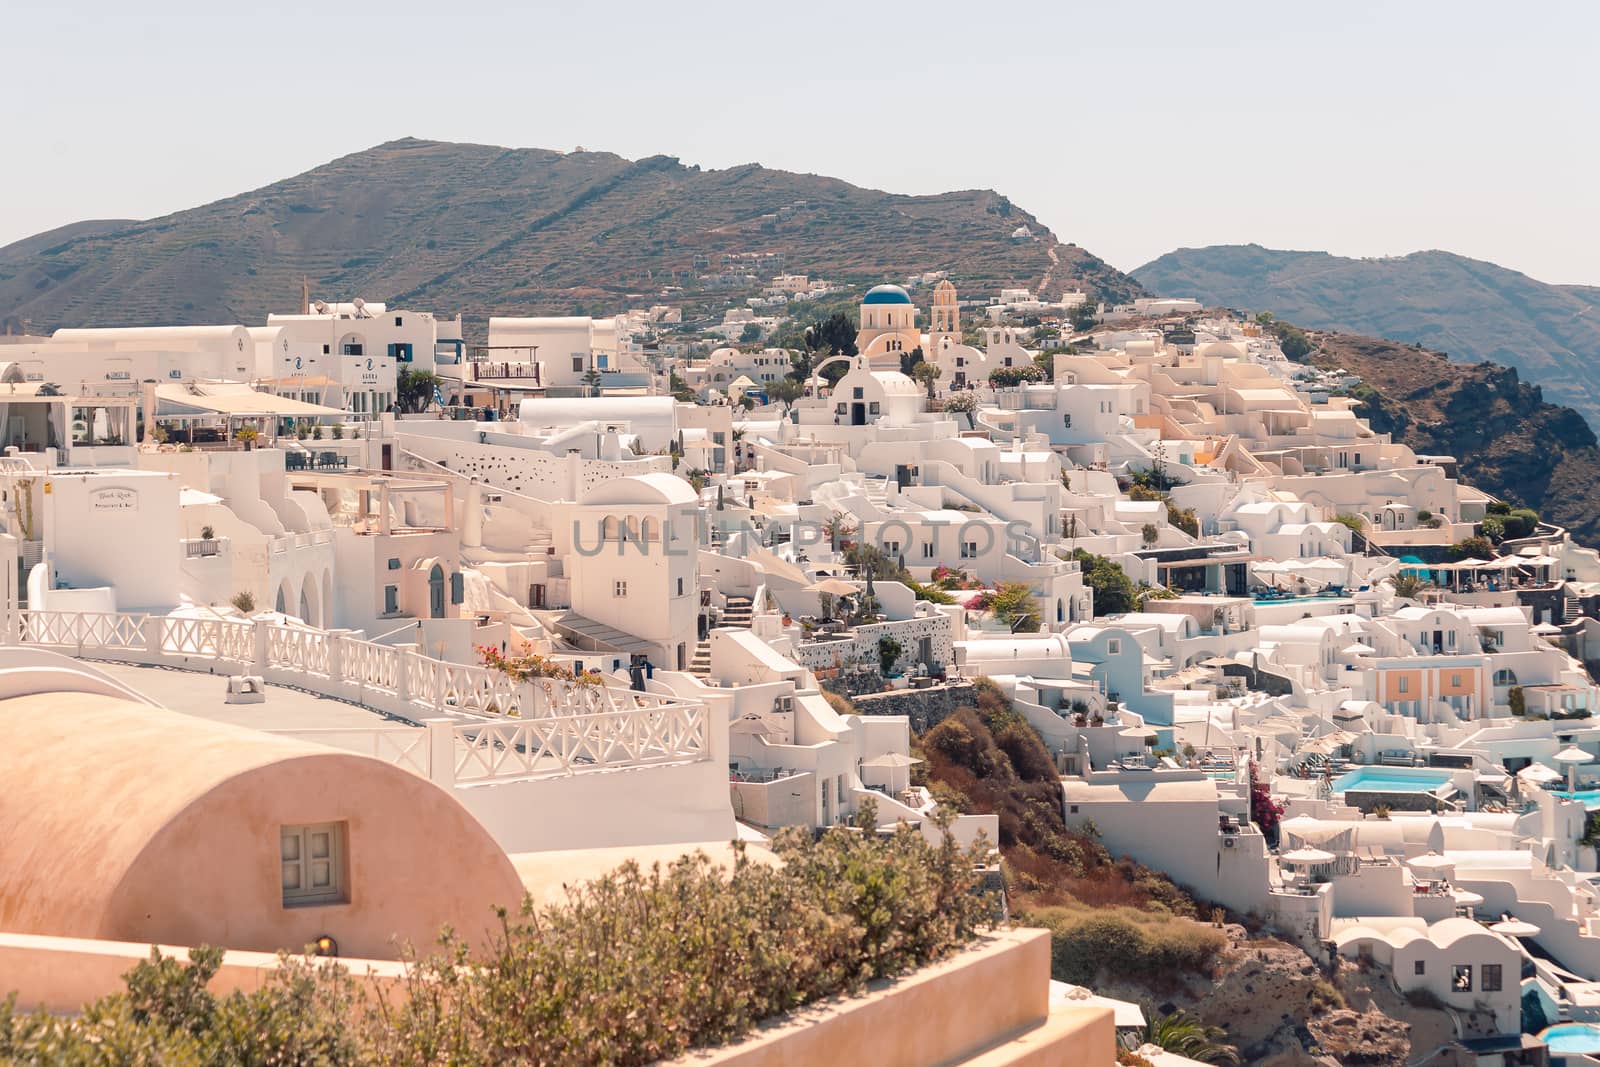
[(1514, 927), (1571, 757), (1539, 774), (833, 586), (1466, 898), (1430, 862), (1306, 857)]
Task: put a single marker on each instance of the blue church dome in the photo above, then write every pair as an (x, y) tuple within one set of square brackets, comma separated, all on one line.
[(886, 294)]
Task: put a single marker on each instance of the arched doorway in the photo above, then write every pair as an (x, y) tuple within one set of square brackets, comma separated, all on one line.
[(436, 592)]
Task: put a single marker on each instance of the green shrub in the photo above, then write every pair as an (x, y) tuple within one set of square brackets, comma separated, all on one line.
[(1150, 948), (637, 966)]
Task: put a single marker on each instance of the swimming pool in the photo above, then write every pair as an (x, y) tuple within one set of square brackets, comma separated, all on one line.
[(1390, 780), (1590, 797), (1572, 1037)]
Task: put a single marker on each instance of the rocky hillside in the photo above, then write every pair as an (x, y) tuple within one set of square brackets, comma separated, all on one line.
[(1467, 308), (1508, 439), (485, 230)]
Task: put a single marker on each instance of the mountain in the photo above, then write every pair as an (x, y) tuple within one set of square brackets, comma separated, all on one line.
[(484, 230), (1506, 438), (1470, 309)]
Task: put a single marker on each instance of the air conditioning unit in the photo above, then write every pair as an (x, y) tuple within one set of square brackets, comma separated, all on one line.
[(1229, 842), (784, 705)]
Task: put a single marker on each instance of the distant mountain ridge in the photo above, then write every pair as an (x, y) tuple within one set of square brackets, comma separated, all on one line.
[(1472, 310), (485, 230)]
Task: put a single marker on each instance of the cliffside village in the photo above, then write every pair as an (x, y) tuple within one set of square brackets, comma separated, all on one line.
[(594, 588)]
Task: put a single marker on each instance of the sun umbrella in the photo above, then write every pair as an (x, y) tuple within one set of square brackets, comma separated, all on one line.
[(891, 760), (1513, 927), (1573, 754), (1466, 898), (1538, 772), (1306, 857), (1431, 862), (833, 586)]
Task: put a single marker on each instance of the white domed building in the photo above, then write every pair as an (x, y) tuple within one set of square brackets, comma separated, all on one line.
[(888, 326)]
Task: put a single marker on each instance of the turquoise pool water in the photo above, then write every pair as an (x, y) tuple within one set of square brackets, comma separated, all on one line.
[(1385, 780), (1572, 1037), (1590, 797)]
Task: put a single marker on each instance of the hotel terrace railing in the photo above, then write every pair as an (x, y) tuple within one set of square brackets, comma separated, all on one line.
[(482, 725)]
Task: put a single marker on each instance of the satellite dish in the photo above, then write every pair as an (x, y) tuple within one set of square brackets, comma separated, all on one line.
[(321, 306), (359, 304)]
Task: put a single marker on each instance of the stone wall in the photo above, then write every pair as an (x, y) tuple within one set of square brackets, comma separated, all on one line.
[(926, 708)]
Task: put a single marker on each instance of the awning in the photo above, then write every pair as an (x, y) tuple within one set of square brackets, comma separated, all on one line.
[(179, 400)]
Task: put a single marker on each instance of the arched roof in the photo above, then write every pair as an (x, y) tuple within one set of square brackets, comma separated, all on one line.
[(657, 487), (135, 823), (886, 294)]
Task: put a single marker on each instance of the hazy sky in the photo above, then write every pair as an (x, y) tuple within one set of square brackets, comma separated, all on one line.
[(1130, 128)]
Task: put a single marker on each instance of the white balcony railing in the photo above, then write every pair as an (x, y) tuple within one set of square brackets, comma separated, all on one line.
[(501, 727)]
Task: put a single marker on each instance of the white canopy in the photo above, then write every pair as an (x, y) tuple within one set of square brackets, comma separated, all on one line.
[(1306, 857)]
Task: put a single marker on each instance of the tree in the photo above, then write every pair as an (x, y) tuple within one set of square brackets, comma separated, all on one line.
[(834, 336), (888, 653), (750, 334), (1472, 548), (1150, 533), (1007, 377), (1294, 342), (1517, 700), (1084, 316), (1013, 604), (786, 391), (1264, 318), (1407, 584), (964, 403), (1114, 591), (1185, 1035), (244, 603), (591, 380), (927, 374), (1264, 811), (415, 390)]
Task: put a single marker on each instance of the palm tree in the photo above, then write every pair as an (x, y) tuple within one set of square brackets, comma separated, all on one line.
[(1406, 584), (927, 374), (1187, 1036)]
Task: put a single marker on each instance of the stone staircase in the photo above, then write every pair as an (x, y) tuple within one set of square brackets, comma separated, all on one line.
[(737, 615), (1571, 609)]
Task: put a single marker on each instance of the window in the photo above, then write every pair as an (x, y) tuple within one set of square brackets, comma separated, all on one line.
[(577, 364), (969, 550), (325, 350), (892, 547), (312, 859), (874, 407), (680, 586), (1404, 685), (1419, 967), (927, 550), (1066, 420), (354, 350), (1455, 681), (858, 393), (1114, 646), (619, 588), (1490, 976), (398, 321), (391, 599), (458, 588), (1461, 979), (1074, 810)]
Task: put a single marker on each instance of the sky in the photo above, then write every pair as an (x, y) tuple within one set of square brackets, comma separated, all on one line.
[(1364, 129)]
